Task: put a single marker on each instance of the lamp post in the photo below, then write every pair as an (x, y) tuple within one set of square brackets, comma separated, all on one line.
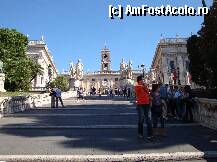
[(143, 70)]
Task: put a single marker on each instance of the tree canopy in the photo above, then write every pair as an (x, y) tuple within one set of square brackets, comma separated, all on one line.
[(202, 49), (61, 82), (19, 69)]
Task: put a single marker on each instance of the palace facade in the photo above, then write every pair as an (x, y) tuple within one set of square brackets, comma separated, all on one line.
[(105, 78), (171, 64), (39, 52)]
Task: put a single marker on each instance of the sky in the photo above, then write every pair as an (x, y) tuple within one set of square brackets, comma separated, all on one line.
[(74, 29)]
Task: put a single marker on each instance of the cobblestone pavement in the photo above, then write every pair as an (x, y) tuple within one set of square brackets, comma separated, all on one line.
[(95, 127)]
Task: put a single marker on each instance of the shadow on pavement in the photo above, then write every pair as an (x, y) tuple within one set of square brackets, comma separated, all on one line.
[(189, 138)]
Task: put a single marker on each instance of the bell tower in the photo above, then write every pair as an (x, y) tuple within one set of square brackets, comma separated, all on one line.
[(105, 60)]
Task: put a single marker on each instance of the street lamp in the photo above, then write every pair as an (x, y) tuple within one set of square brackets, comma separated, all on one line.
[(143, 70)]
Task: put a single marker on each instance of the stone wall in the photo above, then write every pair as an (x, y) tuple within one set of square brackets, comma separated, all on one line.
[(205, 112), (15, 104)]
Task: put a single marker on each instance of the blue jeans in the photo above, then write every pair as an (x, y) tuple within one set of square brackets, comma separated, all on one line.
[(144, 113), (155, 120), (179, 108)]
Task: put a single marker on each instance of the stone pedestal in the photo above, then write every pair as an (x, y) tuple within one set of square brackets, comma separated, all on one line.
[(77, 83), (72, 84), (2, 82)]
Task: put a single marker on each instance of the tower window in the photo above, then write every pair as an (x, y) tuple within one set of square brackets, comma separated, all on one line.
[(105, 66), (116, 79), (105, 56), (93, 80)]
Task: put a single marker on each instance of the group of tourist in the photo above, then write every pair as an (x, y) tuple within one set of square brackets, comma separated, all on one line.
[(159, 104), (178, 102), (56, 96), (125, 92)]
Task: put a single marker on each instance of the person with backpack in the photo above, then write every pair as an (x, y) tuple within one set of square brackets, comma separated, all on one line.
[(58, 95), (143, 107), (157, 111), (53, 95)]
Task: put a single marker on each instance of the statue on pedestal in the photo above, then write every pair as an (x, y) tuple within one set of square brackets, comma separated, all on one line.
[(79, 70), (72, 70), (153, 75), (76, 74), (123, 69), (1, 66), (171, 79), (188, 78), (129, 70), (2, 77)]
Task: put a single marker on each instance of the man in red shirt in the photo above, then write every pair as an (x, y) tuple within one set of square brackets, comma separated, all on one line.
[(143, 107)]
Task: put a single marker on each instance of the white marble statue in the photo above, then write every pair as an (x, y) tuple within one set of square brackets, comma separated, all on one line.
[(79, 70), (188, 78), (2, 81), (123, 65), (1, 66), (2, 77), (123, 69), (172, 79), (129, 70), (153, 75), (72, 70)]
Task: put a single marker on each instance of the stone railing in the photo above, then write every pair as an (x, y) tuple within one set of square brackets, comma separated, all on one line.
[(10, 105), (69, 94), (34, 42), (15, 104), (174, 40), (205, 112)]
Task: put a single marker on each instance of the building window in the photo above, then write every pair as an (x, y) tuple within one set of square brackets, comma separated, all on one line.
[(106, 66), (172, 66), (42, 80), (93, 80), (187, 64), (116, 79), (105, 80)]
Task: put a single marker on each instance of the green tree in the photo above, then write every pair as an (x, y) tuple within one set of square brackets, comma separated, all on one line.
[(19, 69), (61, 82), (202, 51)]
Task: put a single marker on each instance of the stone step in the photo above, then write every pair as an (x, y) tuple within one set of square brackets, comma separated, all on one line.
[(176, 156), (30, 126)]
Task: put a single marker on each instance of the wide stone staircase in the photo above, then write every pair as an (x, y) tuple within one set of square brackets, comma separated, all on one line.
[(99, 126)]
